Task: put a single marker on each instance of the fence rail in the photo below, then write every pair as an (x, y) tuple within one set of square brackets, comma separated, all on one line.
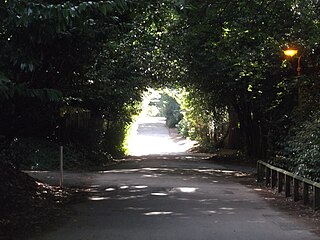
[(294, 186)]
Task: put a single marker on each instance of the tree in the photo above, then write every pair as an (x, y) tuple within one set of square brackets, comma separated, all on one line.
[(47, 50), (233, 54)]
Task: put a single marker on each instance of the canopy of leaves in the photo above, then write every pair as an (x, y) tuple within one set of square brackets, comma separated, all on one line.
[(99, 56), (60, 60)]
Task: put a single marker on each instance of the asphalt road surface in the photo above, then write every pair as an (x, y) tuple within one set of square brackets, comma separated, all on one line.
[(176, 196)]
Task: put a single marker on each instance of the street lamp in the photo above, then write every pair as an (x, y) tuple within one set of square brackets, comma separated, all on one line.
[(291, 52)]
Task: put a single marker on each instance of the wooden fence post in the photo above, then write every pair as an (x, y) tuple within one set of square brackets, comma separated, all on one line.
[(268, 173), (287, 180), (305, 193), (316, 198), (61, 167), (280, 182), (259, 172), (295, 189), (273, 178)]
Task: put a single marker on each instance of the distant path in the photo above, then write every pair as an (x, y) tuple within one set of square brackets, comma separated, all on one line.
[(151, 136), (170, 197)]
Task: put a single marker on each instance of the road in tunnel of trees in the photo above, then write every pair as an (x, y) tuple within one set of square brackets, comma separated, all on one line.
[(83, 66), (176, 196)]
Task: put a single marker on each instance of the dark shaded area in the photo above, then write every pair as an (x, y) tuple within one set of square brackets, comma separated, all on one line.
[(26, 205)]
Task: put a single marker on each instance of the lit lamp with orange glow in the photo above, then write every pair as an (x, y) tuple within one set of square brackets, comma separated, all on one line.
[(291, 53)]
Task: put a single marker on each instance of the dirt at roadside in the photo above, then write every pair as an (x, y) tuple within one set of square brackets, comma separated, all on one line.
[(26, 205)]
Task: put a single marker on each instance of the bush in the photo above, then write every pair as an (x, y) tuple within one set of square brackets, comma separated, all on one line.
[(183, 128), (170, 109), (302, 150), (43, 154)]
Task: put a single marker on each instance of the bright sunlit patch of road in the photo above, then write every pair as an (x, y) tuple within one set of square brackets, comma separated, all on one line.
[(157, 213), (98, 198), (187, 189), (159, 194), (151, 136)]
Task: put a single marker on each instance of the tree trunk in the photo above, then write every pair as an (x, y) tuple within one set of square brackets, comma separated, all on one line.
[(251, 131), (235, 138)]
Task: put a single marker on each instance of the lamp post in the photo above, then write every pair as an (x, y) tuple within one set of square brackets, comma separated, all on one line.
[(291, 53)]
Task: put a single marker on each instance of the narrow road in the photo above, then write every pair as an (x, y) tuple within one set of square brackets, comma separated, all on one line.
[(170, 197), (150, 136)]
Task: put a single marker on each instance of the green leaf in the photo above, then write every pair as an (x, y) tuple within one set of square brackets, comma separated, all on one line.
[(103, 9), (53, 95), (31, 67), (4, 79)]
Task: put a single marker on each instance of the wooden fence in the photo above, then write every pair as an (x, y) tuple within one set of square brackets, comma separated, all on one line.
[(294, 186)]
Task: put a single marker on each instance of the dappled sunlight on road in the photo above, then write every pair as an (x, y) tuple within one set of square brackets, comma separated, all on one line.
[(96, 198), (157, 213), (150, 136), (187, 189), (146, 194), (190, 173), (158, 194), (143, 199)]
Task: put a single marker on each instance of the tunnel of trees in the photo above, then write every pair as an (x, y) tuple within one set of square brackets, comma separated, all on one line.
[(75, 72)]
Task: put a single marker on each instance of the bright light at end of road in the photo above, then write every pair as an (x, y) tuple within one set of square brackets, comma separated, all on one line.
[(149, 135)]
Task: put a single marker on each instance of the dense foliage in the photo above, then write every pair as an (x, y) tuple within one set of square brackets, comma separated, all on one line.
[(302, 149), (203, 120), (66, 77), (233, 52), (169, 108), (75, 71)]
